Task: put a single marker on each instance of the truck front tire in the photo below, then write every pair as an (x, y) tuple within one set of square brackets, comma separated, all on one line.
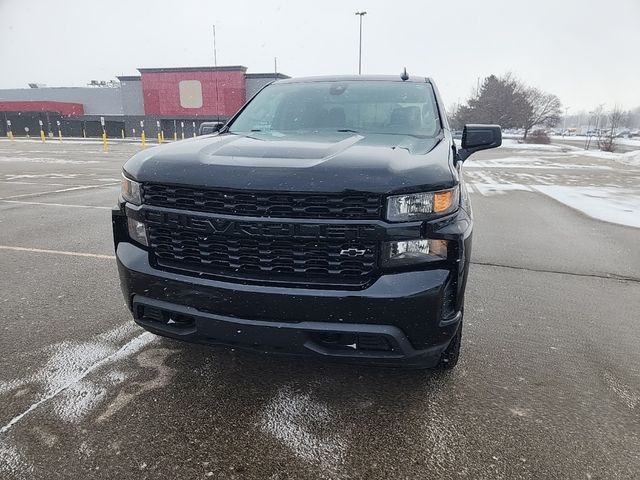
[(449, 358)]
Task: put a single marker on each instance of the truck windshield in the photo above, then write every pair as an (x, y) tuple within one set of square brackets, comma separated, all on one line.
[(384, 107)]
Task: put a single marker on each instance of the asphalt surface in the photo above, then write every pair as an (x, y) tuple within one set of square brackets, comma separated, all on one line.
[(548, 385)]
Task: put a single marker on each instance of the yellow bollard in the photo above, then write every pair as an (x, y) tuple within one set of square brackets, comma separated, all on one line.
[(162, 135), (175, 136), (183, 135), (159, 138), (42, 135), (59, 134), (143, 138), (10, 135), (105, 145)]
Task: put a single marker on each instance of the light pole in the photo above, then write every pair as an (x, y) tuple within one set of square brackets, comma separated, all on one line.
[(360, 14), (564, 121), (215, 51)]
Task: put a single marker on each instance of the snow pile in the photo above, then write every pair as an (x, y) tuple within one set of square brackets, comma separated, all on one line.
[(630, 158), (632, 142)]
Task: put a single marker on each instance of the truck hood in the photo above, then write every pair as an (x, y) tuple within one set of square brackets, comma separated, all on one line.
[(333, 162)]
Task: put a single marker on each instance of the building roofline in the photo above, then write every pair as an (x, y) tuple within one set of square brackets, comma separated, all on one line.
[(129, 78), (116, 87), (225, 68), (275, 76)]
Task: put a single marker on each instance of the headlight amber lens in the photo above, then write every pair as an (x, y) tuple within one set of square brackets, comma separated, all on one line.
[(418, 206), (131, 191), (442, 201)]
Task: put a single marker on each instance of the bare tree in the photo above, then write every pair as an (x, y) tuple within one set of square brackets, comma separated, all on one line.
[(545, 109), (607, 141)]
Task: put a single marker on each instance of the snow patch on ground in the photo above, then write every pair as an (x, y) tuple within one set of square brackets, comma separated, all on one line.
[(78, 400), (631, 142), (118, 334), (63, 377), (615, 205), (487, 189), (629, 158), (67, 363), (73, 393), (512, 143), (531, 163), (610, 204), (298, 422), (55, 176)]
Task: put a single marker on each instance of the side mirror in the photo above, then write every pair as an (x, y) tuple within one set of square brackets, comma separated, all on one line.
[(207, 128), (479, 137)]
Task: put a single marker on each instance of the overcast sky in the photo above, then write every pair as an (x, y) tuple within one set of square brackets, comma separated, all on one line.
[(585, 51)]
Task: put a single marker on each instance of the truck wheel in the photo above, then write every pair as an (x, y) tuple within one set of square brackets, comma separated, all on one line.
[(449, 358)]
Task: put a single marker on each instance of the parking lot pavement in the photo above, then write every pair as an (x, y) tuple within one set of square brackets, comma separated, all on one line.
[(548, 385)]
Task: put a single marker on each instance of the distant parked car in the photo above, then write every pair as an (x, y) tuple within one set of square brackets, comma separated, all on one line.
[(207, 128)]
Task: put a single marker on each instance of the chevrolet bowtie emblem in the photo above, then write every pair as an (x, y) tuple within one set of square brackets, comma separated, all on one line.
[(352, 252)]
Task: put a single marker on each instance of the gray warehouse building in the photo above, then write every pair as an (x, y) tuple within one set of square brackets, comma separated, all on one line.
[(175, 99)]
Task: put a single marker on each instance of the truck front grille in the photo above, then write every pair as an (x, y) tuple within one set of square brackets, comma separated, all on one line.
[(357, 206), (339, 254)]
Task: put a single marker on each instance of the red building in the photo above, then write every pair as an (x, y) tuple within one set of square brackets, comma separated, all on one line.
[(68, 109), (197, 91)]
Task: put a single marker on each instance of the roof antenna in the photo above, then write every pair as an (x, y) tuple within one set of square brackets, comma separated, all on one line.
[(215, 67), (404, 75)]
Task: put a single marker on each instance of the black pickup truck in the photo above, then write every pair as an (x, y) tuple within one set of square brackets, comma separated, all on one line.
[(328, 217)]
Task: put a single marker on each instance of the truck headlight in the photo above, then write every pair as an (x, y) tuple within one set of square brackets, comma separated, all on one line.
[(137, 231), (131, 191), (410, 252), (418, 206)]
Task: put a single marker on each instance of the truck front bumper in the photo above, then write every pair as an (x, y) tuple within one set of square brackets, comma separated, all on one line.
[(398, 320)]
